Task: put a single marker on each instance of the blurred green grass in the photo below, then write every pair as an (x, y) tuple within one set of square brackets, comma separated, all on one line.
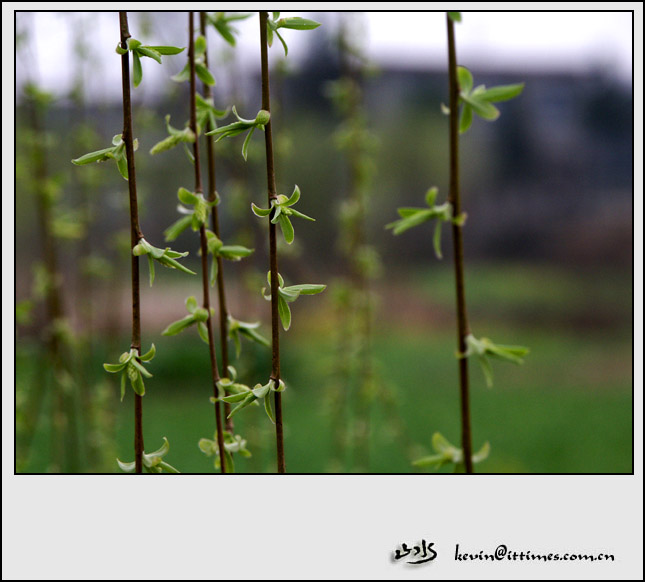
[(568, 409)]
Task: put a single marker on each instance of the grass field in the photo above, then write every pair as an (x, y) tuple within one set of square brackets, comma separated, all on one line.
[(568, 409)]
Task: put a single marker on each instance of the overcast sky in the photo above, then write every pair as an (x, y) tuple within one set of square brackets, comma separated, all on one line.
[(545, 41)]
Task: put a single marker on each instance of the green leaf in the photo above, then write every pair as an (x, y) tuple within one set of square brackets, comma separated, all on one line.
[(261, 212), (297, 23), (203, 331), (167, 50), (455, 16), (183, 75), (420, 216), (191, 304), (176, 228), (484, 109), (98, 156), (245, 145), (140, 368), (267, 407), (437, 240), (481, 454), (179, 326), (126, 467), (137, 384), (284, 312), (234, 252), (123, 378), (466, 119), (287, 228), (146, 51), (465, 79), (502, 92), (149, 354), (187, 197), (204, 74), (306, 289), (137, 73), (113, 368)]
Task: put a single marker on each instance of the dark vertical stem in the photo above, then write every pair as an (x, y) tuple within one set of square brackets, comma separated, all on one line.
[(212, 193), (203, 244), (273, 253), (458, 248), (135, 232)]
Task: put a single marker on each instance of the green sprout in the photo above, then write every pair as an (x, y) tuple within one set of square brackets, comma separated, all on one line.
[(152, 462), (246, 396), (448, 453), (139, 50), (240, 126), (480, 100), (237, 328), (282, 211), (293, 23), (232, 444), (195, 217), (197, 315), (166, 257), (288, 295), (483, 348), (201, 70), (221, 21), (176, 136), (218, 249), (411, 217), (116, 153), (131, 367)]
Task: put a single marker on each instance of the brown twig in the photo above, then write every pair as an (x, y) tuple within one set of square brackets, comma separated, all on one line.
[(273, 253), (204, 246), (135, 232), (458, 248)]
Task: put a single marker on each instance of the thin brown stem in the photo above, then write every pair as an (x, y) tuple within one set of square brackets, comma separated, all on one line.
[(458, 249), (211, 195), (135, 232), (203, 245), (273, 253)]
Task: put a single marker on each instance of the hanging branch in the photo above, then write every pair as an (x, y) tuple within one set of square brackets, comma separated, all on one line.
[(273, 253), (211, 197), (204, 244), (135, 232), (454, 198)]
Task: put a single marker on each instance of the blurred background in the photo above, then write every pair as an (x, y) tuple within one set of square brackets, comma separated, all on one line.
[(369, 364)]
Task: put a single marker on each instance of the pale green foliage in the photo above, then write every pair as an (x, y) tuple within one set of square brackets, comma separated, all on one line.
[(246, 396), (218, 249), (116, 153), (131, 367), (167, 257), (152, 462), (293, 23), (411, 217), (221, 22), (281, 207), (448, 453), (288, 295), (480, 100), (139, 50), (484, 348), (197, 315), (175, 136), (240, 126), (233, 443), (237, 328), (195, 217), (201, 70)]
